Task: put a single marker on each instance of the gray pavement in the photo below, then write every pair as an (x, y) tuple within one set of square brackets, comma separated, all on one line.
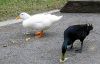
[(15, 50)]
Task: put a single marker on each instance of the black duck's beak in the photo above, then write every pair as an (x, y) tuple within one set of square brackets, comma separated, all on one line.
[(62, 57)]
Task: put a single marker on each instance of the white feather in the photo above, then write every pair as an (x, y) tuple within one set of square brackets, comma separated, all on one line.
[(39, 21)]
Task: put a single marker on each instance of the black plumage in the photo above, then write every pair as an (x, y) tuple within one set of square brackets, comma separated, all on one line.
[(73, 33)]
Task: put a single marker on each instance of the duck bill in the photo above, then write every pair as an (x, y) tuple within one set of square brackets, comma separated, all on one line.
[(18, 17)]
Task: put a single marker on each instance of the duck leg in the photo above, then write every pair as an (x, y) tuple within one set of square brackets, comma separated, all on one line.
[(39, 34)]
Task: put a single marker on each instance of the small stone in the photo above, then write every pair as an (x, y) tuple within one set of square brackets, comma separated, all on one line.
[(27, 39), (27, 33), (4, 45), (12, 41)]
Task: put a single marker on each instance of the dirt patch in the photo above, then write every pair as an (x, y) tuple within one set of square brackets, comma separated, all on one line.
[(81, 7)]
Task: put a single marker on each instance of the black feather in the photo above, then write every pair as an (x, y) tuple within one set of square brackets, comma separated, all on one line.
[(73, 33)]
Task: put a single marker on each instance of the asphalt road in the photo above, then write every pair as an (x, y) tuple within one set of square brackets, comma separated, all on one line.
[(14, 49)]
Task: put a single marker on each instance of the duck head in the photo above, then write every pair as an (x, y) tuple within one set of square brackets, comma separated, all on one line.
[(23, 16)]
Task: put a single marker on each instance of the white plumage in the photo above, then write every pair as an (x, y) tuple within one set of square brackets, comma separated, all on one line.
[(39, 22)]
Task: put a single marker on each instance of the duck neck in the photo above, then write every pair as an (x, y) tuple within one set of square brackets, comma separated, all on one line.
[(26, 17)]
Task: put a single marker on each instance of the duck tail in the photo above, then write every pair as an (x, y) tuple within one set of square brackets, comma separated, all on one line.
[(59, 17), (56, 18)]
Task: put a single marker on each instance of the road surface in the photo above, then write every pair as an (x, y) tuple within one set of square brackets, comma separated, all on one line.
[(14, 49)]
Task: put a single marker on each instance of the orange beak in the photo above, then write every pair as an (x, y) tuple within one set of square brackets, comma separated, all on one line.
[(18, 17)]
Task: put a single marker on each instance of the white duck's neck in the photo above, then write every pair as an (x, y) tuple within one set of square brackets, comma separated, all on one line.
[(26, 17)]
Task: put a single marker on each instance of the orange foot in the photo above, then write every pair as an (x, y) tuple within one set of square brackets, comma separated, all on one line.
[(39, 34)]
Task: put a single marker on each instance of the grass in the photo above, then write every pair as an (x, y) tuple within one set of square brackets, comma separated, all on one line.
[(11, 8)]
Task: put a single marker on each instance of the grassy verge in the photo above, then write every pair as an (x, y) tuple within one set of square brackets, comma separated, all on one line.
[(11, 8)]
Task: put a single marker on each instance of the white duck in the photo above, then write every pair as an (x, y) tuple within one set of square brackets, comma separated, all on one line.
[(39, 22)]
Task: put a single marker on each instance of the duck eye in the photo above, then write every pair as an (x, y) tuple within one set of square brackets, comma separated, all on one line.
[(22, 14)]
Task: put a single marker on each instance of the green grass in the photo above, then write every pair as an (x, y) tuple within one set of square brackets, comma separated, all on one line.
[(11, 8)]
